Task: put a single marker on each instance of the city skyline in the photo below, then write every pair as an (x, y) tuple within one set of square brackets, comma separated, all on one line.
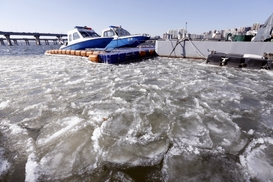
[(174, 33)]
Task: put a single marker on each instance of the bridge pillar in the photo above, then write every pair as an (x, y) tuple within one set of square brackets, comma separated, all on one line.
[(37, 38), (15, 42), (46, 42), (8, 39), (2, 42), (27, 41)]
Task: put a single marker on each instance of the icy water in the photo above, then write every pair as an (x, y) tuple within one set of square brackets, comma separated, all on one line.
[(67, 119)]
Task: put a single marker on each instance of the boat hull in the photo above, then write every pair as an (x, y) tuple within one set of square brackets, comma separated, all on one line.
[(90, 43), (131, 41), (201, 49)]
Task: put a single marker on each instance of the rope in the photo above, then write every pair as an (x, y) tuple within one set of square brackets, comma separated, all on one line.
[(177, 42), (197, 50), (193, 46)]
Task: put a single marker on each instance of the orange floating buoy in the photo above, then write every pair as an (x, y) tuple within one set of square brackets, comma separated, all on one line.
[(142, 53), (60, 51), (88, 53), (77, 53), (83, 53), (67, 51), (152, 51), (63, 51), (72, 52), (55, 51), (96, 52), (94, 58)]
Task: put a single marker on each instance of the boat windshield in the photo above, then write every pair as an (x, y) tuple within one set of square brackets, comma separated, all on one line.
[(88, 34), (108, 33), (121, 32)]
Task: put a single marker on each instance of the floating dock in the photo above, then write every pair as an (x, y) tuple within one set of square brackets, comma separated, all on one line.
[(115, 56)]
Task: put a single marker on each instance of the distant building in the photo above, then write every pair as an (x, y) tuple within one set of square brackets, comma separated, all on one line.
[(207, 35), (210, 35), (165, 36), (256, 26)]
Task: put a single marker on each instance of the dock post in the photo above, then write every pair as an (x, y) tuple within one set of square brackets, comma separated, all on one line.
[(37, 38), (8, 39)]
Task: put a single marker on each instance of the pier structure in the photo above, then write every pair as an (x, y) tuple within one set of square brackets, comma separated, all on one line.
[(36, 35)]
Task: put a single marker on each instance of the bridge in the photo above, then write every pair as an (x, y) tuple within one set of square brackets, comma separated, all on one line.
[(36, 38)]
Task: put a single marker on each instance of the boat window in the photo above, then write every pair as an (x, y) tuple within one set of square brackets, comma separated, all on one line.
[(89, 34), (70, 37), (93, 34), (84, 34), (122, 32), (108, 33), (75, 36)]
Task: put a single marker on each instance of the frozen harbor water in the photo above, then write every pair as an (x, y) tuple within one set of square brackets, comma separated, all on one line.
[(66, 119)]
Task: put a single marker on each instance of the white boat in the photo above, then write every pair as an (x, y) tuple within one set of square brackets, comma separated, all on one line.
[(122, 38), (81, 38)]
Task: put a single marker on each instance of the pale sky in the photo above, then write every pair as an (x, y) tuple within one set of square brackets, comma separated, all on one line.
[(153, 17)]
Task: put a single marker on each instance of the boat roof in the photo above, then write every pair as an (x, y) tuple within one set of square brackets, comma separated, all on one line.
[(111, 26), (83, 27), (118, 30)]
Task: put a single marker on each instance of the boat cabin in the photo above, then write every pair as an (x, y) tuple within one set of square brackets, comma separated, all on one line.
[(81, 32), (114, 31)]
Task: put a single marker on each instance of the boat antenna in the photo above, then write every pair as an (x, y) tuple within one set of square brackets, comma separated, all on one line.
[(186, 29)]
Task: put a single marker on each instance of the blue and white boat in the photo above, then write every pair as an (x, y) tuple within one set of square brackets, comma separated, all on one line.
[(122, 38), (81, 38)]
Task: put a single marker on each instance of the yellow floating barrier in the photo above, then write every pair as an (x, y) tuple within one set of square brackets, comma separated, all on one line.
[(94, 57)]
